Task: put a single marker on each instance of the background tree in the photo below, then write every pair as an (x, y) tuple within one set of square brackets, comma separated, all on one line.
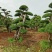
[(6, 18), (48, 13), (43, 23), (36, 20), (7, 23), (48, 29), (50, 5)]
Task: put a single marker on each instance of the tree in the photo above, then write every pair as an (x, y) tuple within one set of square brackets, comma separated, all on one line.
[(7, 20), (43, 23), (1, 20), (31, 24), (18, 20), (36, 20), (25, 12), (23, 15), (7, 23), (17, 24), (50, 5), (23, 8), (48, 13)]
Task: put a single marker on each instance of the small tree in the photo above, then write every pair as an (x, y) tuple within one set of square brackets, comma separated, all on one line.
[(25, 12), (36, 20), (6, 20), (1, 20), (31, 23), (24, 15), (18, 27), (7, 23), (43, 23)]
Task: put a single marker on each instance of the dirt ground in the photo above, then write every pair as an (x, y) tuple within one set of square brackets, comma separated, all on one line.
[(30, 38)]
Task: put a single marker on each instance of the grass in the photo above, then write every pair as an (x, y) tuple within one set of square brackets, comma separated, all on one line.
[(18, 49), (33, 48)]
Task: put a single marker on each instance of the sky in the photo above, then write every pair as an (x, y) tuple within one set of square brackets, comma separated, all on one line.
[(35, 6)]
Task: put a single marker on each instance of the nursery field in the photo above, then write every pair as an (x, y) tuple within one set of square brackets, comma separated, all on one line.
[(23, 29)]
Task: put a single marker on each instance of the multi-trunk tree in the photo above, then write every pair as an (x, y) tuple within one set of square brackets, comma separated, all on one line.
[(23, 16)]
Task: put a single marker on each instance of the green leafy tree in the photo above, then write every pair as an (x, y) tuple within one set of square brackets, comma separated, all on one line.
[(36, 20), (25, 12), (18, 22), (43, 23), (50, 5), (1, 20), (7, 23), (31, 24), (23, 15), (17, 26), (48, 13), (5, 18)]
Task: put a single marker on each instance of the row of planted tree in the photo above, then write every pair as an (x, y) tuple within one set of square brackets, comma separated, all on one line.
[(23, 21)]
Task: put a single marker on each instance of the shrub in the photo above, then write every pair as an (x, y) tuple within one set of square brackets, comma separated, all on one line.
[(41, 30), (48, 28), (44, 44), (20, 39), (11, 40)]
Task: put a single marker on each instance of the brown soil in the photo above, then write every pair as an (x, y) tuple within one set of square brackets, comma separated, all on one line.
[(30, 38)]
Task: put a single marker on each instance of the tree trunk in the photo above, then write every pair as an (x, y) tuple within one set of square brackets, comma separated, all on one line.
[(50, 38), (7, 29), (51, 19), (36, 28), (17, 34), (24, 18)]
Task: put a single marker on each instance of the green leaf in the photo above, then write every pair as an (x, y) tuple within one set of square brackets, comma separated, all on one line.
[(47, 15), (23, 31), (23, 7)]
